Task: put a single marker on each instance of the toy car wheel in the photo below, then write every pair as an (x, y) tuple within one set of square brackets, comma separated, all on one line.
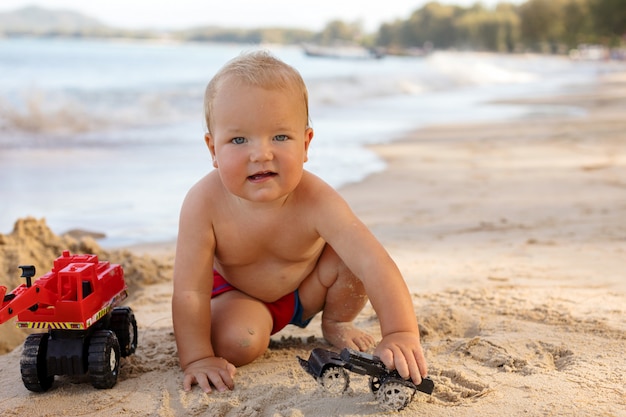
[(334, 379), (394, 395), (124, 325), (103, 359), (374, 384), (33, 365)]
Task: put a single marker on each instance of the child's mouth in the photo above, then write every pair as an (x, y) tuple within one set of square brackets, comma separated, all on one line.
[(259, 176)]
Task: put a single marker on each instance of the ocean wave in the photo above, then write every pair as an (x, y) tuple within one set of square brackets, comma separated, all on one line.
[(440, 71), (41, 114), (480, 69), (55, 113), (61, 106)]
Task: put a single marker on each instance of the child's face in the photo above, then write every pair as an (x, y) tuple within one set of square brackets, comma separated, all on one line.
[(259, 140)]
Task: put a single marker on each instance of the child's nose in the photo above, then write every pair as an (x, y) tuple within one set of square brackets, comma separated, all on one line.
[(262, 152)]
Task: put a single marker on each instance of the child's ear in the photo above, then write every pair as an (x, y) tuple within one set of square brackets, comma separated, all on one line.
[(208, 139), (308, 137)]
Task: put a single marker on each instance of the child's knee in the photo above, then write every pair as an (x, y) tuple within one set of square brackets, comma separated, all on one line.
[(240, 345)]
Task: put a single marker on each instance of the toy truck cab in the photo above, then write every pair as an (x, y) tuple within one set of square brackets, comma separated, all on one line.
[(391, 390), (77, 302)]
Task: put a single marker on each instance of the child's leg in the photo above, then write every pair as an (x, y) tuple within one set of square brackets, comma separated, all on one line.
[(333, 288), (240, 327)]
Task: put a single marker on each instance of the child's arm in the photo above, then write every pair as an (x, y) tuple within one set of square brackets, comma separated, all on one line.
[(400, 347), (191, 300)]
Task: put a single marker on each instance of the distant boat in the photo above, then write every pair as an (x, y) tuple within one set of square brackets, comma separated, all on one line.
[(342, 52)]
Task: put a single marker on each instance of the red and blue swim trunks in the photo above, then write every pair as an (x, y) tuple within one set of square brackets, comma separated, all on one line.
[(284, 311)]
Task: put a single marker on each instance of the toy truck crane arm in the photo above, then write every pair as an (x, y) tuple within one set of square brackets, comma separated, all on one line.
[(24, 297)]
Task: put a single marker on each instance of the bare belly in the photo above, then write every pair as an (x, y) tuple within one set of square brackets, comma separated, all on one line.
[(267, 281)]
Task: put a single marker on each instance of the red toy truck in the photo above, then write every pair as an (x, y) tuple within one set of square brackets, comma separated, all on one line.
[(87, 333)]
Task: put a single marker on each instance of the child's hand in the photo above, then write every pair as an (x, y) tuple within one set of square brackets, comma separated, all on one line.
[(403, 352), (207, 371)]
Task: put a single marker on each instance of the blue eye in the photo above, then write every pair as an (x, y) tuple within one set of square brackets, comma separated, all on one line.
[(238, 141), (281, 138)]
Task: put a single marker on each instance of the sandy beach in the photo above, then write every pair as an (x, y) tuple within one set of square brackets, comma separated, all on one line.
[(511, 237)]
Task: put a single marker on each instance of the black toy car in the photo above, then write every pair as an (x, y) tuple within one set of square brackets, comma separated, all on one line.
[(391, 390)]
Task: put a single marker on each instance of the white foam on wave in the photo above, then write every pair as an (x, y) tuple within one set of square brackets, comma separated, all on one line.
[(478, 69)]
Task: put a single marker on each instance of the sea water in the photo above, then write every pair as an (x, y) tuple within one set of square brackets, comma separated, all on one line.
[(107, 136)]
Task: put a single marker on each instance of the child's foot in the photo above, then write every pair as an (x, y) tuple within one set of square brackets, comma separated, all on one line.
[(345, 335)]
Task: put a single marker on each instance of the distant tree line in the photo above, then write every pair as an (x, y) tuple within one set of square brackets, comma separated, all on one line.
[(536, 25), (252, 36), (549, 26)]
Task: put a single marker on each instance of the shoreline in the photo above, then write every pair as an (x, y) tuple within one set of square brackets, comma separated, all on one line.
[(511, 238), (437, 146)]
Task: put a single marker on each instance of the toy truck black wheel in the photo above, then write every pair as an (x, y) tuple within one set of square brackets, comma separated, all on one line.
[(33, 363), (124, 325), (374, 384), (103, 359), (334, 379), (394, 395)]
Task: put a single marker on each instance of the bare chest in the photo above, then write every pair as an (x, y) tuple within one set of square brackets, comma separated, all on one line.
[(267, 262), (240, 243)]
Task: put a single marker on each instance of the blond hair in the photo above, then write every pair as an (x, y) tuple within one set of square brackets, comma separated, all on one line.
[(258, 69)]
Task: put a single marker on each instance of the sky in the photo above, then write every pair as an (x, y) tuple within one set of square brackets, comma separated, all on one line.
[(177, 14)]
